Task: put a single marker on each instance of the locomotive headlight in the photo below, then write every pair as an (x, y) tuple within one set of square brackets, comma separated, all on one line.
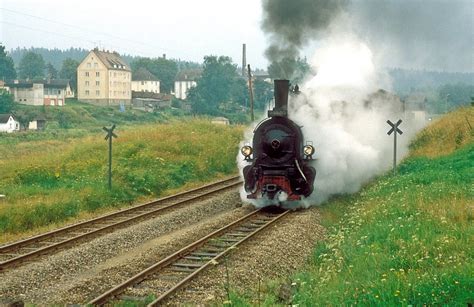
[(308, 150), (246, 151)]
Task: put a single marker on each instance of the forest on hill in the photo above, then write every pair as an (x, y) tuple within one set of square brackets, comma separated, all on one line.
[(57, 56)]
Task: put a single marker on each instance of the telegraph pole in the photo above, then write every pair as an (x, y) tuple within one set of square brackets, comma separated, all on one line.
[(108, 137), (396, 130), (250, 93)]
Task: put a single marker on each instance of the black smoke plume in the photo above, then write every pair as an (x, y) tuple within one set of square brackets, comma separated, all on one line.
[(293, 24)]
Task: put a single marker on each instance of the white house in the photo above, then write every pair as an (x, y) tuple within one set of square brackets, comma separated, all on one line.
[(185, 80), (8, 123), (145, 81)]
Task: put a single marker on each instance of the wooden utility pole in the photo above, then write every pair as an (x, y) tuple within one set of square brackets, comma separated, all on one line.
[(109, 136), (250, 92)]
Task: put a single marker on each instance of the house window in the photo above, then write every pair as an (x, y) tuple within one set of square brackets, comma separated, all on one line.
[(97, 83), (143, 82), (97, 74), (87, 74), (88, 65), (96, 65), (87, 92), (87, 83), (59, 92), (97, 93)]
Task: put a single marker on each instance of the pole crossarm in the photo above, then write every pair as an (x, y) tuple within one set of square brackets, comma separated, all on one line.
[(394, 127), (110, 135), (110, 132)]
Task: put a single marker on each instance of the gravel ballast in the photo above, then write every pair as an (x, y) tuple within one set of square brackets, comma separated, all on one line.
[(81, 273), (275, 253)]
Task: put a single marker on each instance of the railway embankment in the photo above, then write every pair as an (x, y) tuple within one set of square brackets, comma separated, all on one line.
[(402, 240), (50, 181)]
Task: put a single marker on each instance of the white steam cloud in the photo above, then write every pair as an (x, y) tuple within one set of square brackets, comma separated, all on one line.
[(345, 117), (344, 113)]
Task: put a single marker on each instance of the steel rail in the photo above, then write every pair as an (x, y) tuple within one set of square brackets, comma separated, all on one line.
[(107, 219), (169, 260)]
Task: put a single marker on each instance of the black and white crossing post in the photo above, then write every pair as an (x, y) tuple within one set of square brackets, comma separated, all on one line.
[(396, 130), (109, 136)]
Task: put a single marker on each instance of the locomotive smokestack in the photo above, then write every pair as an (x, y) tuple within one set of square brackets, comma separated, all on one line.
[(281, 89)]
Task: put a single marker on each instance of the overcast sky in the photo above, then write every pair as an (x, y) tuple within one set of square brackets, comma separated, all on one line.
[(429, 34), (184, 29)]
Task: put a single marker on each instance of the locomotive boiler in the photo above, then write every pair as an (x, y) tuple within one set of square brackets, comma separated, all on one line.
[(279, 162)]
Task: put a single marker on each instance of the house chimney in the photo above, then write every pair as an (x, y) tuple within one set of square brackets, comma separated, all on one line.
[(244, 60)]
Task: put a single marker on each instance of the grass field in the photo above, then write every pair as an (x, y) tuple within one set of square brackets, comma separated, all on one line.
[(403, 240), (77, 119), (51, 181)]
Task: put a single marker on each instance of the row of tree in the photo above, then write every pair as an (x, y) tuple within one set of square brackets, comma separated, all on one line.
[(33, 66)]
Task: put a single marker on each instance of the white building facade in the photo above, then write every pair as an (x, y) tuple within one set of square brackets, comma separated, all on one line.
[(181, 88), (145, 81), (146, 86), (186, 80)]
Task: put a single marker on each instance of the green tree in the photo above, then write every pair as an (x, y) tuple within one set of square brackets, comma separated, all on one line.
[(31, 66), (69, 71), (220, 83), (262, 93), (6, 101), (165, 70), (51, 71), (7, 68)]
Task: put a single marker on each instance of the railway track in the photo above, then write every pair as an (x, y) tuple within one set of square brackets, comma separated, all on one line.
[(17, 253), (169, 274)]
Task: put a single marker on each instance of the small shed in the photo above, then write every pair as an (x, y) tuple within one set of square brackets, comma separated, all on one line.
[(38, 123), (220, 121), (149, 101)]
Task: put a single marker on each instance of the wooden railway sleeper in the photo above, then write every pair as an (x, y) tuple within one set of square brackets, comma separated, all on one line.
[(197, 258), (202, 254), (231, 240), (183, 269), (236, 234), (187, 265)]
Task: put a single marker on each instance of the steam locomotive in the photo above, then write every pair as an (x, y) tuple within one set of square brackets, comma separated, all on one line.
[(279, 167)]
